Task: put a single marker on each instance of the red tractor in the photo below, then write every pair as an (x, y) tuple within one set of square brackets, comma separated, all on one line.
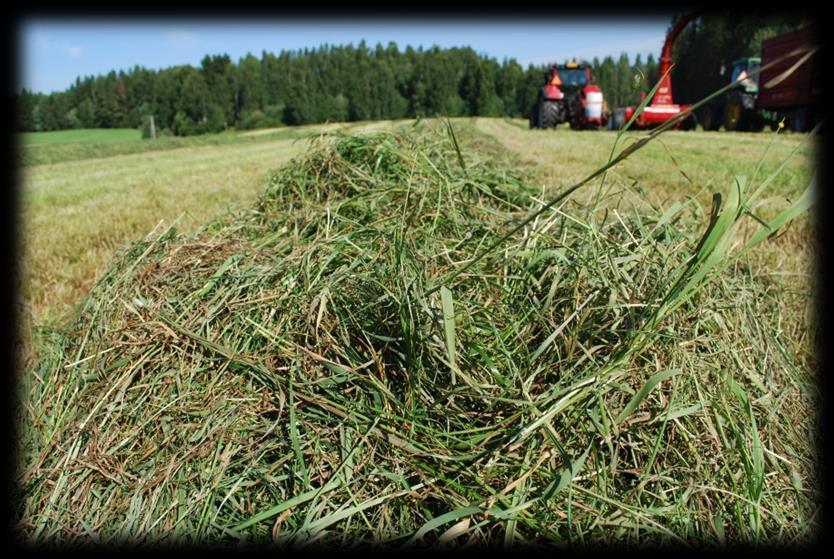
[(662, 107), (568, 95)]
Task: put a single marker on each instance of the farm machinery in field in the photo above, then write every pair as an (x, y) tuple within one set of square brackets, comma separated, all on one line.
[(789, 87), (662, 107), (736, 108), (568, 95)]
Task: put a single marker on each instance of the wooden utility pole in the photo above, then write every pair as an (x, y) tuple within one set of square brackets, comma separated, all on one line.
[(153, 129)]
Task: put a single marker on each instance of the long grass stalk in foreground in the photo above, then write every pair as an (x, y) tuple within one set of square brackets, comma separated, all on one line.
[(613, 161)]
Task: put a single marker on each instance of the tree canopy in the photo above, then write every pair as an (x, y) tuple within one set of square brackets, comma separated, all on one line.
[(339, 83), (349, 83), (718, 38)]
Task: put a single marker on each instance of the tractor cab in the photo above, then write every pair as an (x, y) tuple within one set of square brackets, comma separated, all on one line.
[(742, 68), (569, 94), (571, 75), (736, 109)]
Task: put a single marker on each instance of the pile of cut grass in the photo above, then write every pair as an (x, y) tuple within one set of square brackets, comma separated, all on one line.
[(321, 369)]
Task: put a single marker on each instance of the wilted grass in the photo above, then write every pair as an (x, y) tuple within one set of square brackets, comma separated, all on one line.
[(674, 168), (46, 148), (75, 215), (318, 369), (86, 135)]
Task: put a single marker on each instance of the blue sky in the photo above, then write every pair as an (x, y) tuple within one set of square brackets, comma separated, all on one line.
[(54, 52)]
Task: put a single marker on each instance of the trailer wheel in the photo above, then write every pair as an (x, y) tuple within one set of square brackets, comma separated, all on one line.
[(757, 123), (617, 120), (799, 120), (689, 123)]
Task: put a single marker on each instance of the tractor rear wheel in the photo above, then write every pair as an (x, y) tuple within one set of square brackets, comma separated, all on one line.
[(549, 114), (736, 115)]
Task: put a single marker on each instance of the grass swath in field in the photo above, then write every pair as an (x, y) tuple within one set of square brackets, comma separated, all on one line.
[(286, 374)]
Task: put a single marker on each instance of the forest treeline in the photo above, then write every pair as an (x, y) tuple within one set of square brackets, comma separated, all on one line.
[(350, 83), (337, 83)]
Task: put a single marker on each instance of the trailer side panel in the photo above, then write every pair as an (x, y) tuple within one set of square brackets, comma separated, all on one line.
[(799, 89)]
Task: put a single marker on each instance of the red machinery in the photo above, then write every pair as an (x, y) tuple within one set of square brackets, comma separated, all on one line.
[(568, 95), (662, 107), (791, 88)]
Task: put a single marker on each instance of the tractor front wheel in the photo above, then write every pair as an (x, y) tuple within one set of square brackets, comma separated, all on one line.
[(550, 114), (708, 119)]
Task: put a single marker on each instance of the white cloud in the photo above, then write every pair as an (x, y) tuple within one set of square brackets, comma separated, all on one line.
[(181, 38), (642, 45), (74, 51)]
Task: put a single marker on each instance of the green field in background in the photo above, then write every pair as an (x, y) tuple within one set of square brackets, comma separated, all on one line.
[(83, 136)]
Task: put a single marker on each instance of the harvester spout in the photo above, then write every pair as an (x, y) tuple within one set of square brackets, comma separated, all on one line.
[(664, 92), (662, 107)]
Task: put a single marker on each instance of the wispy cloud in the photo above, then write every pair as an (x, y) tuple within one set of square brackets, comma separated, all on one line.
[(642, 45), (181, 38), (40, 41), (74, 51)]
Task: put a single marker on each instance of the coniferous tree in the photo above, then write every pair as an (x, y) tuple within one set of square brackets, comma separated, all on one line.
[(652, 75), (509, 83), (24, 111), (625, 87), (358, 83), (250, 90), (217, 73)]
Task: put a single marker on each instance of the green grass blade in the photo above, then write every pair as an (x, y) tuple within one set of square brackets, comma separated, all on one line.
[(798, 207), (638, 398), (455, 143), (288, 504), (449, 328), (549, 340), (439, 521), (567, 476)]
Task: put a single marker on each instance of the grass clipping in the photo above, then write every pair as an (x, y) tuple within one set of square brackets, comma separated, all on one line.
[(293, 374)]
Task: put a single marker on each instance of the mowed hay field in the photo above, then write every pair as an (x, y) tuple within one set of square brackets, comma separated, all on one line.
[(77, 211), (682, 165), (87, 135), (308, 368)]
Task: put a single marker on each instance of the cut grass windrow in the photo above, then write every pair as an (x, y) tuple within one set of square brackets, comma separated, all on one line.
[(290, 373)]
